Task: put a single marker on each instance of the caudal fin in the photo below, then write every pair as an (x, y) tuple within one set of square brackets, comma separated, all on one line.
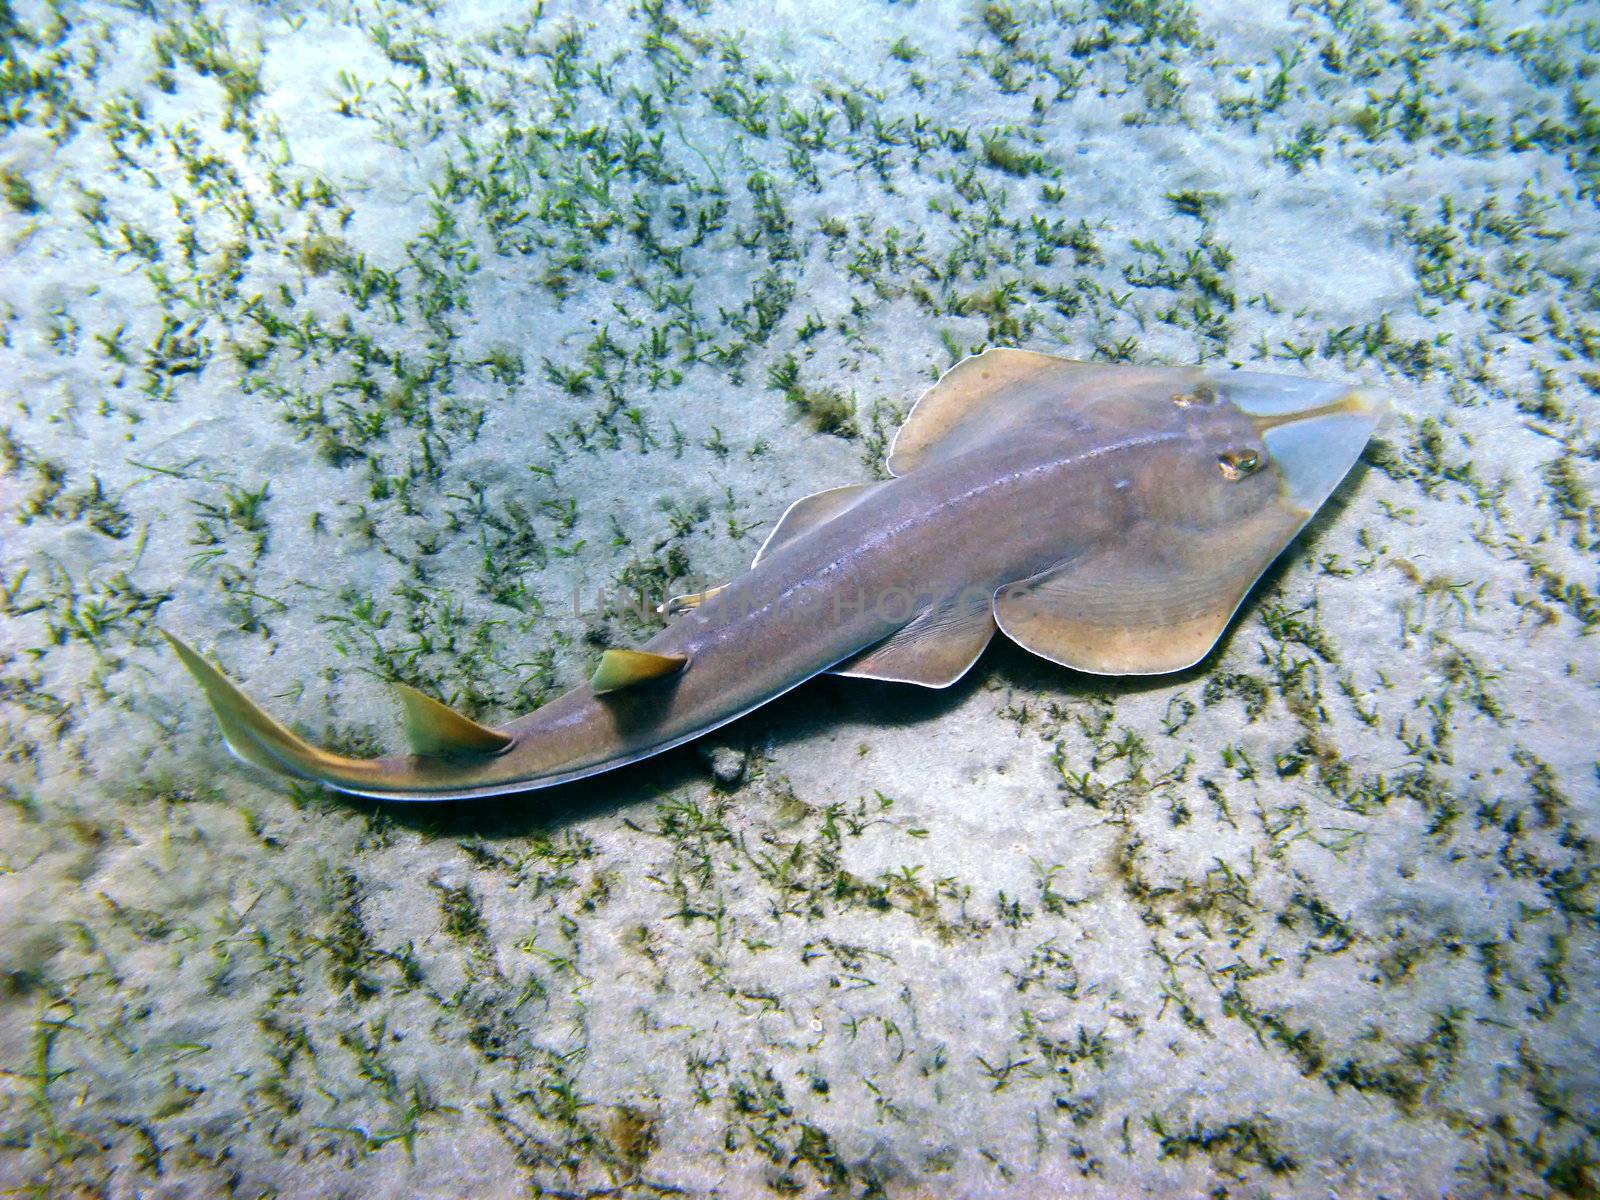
[(445, 744), (256, 737)]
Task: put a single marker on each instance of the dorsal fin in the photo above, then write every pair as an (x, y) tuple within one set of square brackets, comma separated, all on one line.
[(806, 513), (437, 730), (987, 394), (620, 669)]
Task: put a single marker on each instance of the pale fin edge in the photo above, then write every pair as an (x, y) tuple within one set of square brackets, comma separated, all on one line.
[(1107, 613), (809, 512), (935, 650), (973, 399)]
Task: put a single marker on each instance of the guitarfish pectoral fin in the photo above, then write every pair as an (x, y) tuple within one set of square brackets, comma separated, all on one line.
[(1154, 603), (437, 730), (935, 649), (1155, 594), (620, 669), (987, 394)]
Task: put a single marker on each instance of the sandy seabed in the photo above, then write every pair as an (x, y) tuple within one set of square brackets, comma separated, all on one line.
[(352, 340)]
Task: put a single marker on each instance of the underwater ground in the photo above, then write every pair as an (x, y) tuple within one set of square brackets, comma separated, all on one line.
[(372, 341)]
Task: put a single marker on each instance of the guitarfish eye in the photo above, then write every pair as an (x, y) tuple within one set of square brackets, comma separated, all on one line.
[(1200, 397), (1236, 464)]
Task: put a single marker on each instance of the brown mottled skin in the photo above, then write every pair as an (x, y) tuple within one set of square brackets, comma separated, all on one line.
[(1115, 467)]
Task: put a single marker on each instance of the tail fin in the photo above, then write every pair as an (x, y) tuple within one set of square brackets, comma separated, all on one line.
[(256, 737)]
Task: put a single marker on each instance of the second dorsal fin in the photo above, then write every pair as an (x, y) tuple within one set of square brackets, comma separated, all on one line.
[(437, 730)]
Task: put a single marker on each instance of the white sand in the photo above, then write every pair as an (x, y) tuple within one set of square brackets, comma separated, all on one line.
[(1315, 919)]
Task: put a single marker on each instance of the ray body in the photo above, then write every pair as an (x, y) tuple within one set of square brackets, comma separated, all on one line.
[(1109, 518)]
